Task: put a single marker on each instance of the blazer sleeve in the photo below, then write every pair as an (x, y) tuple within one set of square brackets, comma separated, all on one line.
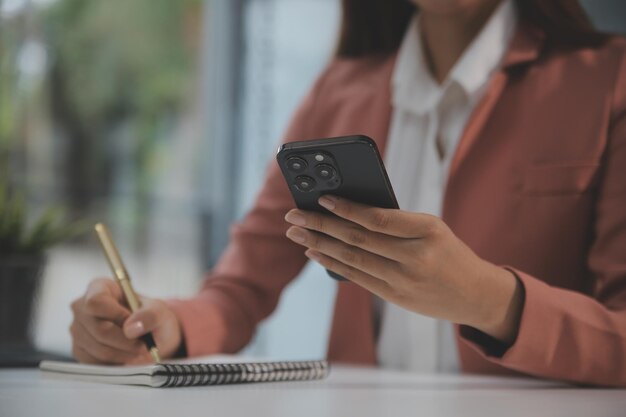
[(257, 264), (568, 335)]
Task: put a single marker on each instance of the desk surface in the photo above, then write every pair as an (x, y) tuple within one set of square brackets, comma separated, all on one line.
[(347, 392)]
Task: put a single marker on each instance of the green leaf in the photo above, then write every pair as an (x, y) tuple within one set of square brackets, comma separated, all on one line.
[(42, 229), (48, 229)]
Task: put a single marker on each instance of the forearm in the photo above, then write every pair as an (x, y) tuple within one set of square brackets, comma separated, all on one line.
[(211, 324)]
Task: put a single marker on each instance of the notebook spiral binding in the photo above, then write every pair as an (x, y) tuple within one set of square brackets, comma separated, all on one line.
[(237, 373)]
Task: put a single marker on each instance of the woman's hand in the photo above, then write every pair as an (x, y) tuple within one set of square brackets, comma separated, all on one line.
[(412, 260), (105, 331)]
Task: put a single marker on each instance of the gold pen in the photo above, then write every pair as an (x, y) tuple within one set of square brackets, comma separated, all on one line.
[(123, 279)]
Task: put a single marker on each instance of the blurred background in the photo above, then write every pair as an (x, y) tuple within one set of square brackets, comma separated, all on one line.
[(159, 117)]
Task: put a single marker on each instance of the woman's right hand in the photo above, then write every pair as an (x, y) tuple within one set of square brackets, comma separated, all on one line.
[(105, 331)]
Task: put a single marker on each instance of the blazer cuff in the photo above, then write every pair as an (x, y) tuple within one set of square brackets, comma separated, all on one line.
[(527, 353)]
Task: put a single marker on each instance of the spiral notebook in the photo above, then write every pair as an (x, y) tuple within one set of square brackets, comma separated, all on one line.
[(207, 371)]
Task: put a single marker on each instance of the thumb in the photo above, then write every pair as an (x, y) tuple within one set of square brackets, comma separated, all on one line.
[(142, 321)]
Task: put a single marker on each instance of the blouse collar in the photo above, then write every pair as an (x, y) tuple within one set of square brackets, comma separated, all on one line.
[(414, 87)]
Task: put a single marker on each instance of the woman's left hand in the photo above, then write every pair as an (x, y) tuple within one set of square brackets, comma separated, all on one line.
[(412, 260)]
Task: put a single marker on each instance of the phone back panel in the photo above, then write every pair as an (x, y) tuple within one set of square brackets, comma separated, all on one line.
[(361, 173)]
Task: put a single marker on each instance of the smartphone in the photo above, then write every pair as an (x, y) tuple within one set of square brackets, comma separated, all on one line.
[(346, 166)]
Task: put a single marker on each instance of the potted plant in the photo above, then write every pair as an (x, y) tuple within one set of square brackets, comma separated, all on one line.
[(23, 245)]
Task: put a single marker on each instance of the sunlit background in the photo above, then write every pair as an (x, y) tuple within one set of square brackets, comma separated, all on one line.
[(159, 117)]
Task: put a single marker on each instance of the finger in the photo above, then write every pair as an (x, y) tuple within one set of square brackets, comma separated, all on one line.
[(103, 300), (144, 320), (102, 353), (82, 356), (351, 233), (370, 283), (107, 286), (370, 263), (393, 222), (109, 333)]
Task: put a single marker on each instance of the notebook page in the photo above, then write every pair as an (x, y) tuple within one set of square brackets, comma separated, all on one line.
[(104, 370)]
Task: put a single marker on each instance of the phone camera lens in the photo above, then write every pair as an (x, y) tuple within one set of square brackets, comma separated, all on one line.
[(295, 164), (304, 183), (325, 172)]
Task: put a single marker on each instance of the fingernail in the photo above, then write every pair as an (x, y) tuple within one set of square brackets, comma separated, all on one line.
[(296, 235), (313, 255), (135, 329), (327, 202), (296, 218)]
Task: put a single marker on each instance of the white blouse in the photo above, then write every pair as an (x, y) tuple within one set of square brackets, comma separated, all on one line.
[(426, 113)]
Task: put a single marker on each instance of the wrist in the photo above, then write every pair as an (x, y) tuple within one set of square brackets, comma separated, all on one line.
[(502, 301)]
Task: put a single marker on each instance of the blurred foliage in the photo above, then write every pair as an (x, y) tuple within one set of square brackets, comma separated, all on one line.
[(19, 237), (117, 78), (87, 127), (9, 104), (121, 57), (127, 63)]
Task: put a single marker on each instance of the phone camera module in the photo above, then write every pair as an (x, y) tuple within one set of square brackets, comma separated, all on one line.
[(295, 164), (304, 183), (324, 171)]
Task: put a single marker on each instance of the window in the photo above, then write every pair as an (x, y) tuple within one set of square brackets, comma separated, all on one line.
[(284, 46)]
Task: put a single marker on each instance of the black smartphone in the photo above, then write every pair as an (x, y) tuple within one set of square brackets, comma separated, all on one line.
[(346, 166)]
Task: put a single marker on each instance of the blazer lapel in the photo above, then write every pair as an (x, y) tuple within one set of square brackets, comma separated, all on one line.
[(525, 47)]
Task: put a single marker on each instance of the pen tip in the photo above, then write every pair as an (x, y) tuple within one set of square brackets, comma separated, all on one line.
[(155, 354)]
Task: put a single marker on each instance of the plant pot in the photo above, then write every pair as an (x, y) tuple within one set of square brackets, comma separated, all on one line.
[(20, 278)]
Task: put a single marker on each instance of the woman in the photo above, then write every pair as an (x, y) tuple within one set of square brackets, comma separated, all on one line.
[(505, 122)]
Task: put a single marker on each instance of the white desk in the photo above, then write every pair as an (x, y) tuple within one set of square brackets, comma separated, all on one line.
[(347, 392)]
